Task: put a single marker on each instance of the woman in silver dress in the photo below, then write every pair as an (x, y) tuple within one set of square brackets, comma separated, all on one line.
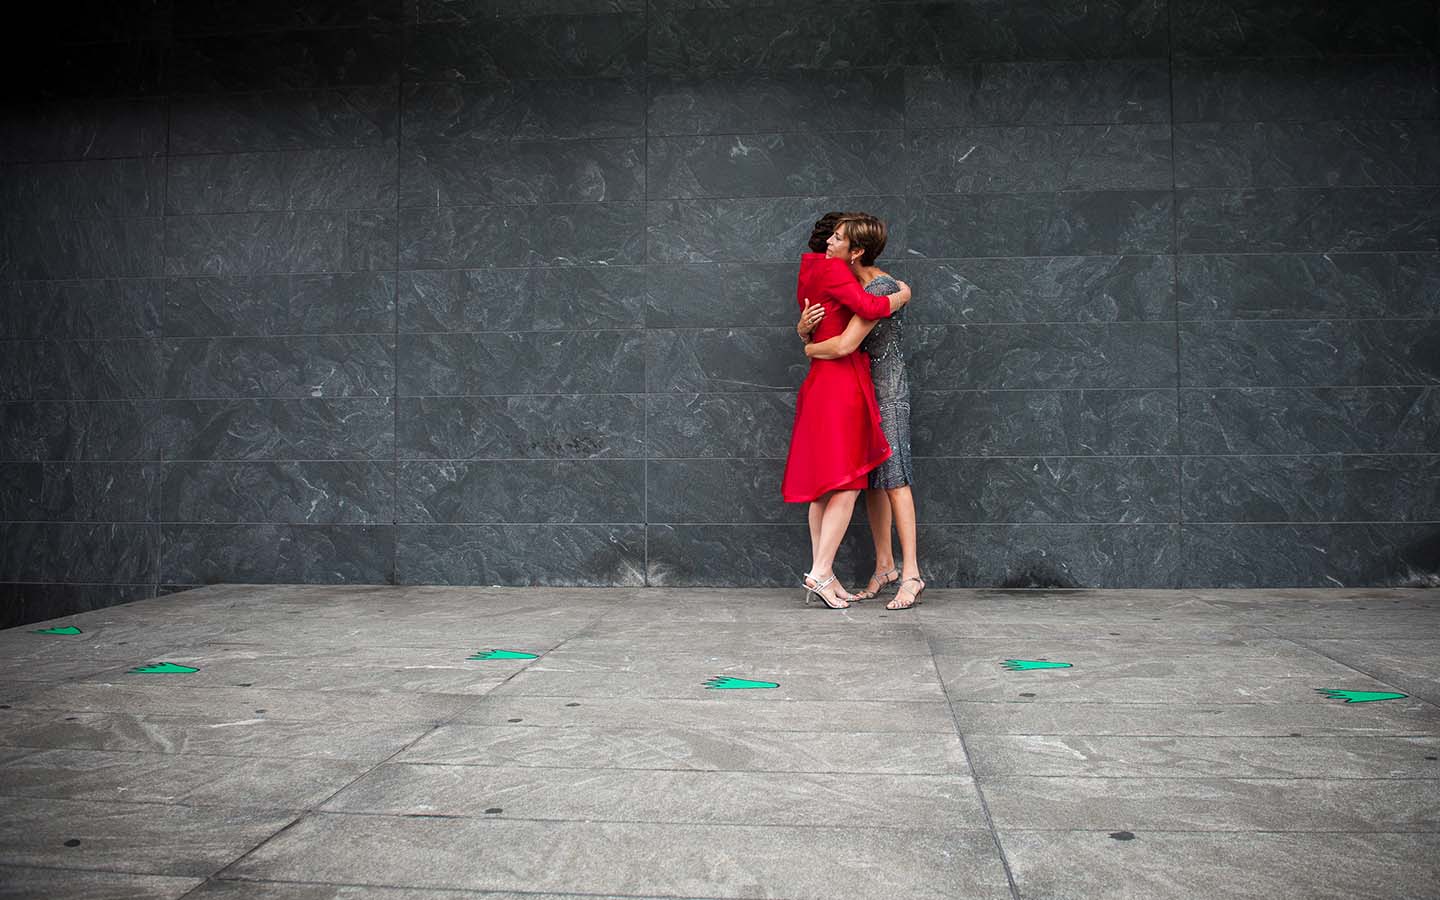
[(859, 239)]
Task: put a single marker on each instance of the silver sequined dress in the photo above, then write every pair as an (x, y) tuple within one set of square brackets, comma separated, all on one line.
[(892, 391)]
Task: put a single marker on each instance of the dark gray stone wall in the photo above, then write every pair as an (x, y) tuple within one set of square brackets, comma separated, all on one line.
[(462, 291)]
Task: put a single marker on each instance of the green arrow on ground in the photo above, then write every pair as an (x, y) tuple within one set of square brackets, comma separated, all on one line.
[(1025, 665), (726, 683), (1360, 696), (67, 629), (503, 654), (164, 668)]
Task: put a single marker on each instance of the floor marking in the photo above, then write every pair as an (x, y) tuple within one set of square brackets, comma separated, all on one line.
[(1360, 696), (726, 683), (503, 654), (67, 629), (1026, 665), (164, 668)]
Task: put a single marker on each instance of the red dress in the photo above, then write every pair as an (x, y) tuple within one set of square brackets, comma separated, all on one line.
[(837, 438)]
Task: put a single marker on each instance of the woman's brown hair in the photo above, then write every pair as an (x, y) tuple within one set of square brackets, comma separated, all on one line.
[(866, 232)]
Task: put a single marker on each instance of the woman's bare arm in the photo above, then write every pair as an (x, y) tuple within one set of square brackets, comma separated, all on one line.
[(844, 343)]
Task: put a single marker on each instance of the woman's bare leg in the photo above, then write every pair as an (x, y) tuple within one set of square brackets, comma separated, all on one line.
[(838, 507), (877, 510), (902, 502), (817, 512)]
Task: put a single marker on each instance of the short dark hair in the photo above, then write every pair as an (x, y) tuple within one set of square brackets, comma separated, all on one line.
[(866, 232), (824, 227)]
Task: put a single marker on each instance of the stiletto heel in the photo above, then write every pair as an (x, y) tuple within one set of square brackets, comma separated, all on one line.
[(820, 585), (914, 600), (883, 579)]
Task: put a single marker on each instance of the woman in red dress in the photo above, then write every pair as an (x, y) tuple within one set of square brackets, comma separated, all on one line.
[(836, 439)]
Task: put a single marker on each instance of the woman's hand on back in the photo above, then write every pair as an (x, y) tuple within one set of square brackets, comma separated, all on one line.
[(809, 319)]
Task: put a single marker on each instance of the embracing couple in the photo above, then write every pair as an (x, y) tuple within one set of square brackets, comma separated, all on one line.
[(852, 415)]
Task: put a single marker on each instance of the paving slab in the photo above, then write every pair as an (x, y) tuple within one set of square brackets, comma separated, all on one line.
[(680, 748), (1028, 715), (808, 682), (141, 838), (717, 711), (633, 859), (164, 696), (256, 736), (1254, 866), (22, 883), (217, 889), (935, 802), (186, 780), (1159, 757)]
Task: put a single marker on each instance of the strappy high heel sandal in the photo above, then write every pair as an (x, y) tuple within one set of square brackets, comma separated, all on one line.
[(821, 585), (883, 579), (899, 602)]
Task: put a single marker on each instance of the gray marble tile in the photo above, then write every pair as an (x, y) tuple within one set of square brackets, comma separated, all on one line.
[(470, 10), (71, 884), (1314, 804), (271, 182), (573, 171), (80, 370), (1303, 154), (498, 363), (77, 310), (695, 491), (712, 295), (280, 305), (132, 837), (285, 120), (775, 165), (735, 798), (1292, 219), (1300, 90), (1264, 488), (82, 130), (370, 240), (285, 60), (256, 243), (723, 360), (1077, 223), (1016, 555), (1309, 420), (1307, 555), (77, 431), (554, 235), (1028, 716), (173, 779), (631, 859), (672, 749), (21, 604), (59, 249), (731, 425), (584, 555), (1039, 29), (278, 429), (501, 49), (1040, 289), (520, 427), (229, 16), (978, 160), (340, 366), (1250, 28), (1039, 422), (311, 493), (92, 189), (1204, 757), (520, 491), (78, 491), (1009, 357), (558, 299), (770, 230), (1306, 286), (327, 554), (749, 101), (1276, 867), (257, 736), (79, 552), (728, 555), (1038, 93), (219, 889), (1048, 490), (705, 41), (1391, 488), (710, 714), (524, 110)]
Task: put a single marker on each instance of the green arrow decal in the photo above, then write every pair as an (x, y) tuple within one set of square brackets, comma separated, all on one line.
[(1025, 665), (164, 668), (1360, 696), (503, 654), (68, 629), (726, 683)]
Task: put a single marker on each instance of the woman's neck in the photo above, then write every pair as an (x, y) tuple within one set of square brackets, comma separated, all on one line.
[(866, 274)]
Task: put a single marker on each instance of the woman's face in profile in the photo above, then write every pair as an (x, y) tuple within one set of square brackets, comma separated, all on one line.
[(838, 246)]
